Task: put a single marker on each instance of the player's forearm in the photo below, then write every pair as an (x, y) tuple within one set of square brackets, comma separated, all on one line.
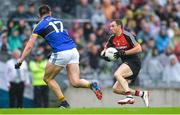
[(28, 48), (26, 52), (134, 50)]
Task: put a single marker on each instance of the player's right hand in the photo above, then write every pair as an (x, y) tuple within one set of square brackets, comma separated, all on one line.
[(17, 65), (106, 58), (119, 54)]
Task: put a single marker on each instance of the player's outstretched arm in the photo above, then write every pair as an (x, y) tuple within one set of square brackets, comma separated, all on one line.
[(26, 51)]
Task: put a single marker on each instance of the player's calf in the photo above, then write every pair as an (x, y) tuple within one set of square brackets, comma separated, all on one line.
[(118, 91), (75, 83)]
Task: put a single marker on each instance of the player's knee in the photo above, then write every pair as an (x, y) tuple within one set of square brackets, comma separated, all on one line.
[(75, 83), (46, 80)]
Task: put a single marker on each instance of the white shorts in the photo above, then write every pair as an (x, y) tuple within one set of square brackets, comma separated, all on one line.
[(65, 57)]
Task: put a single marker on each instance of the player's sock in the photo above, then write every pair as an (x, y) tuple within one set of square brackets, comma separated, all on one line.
[(128, 94), (87, 85), (139, 93), (62, 98)]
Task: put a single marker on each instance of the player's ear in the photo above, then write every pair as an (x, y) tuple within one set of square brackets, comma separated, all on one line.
[(38, 15), (50, 13)]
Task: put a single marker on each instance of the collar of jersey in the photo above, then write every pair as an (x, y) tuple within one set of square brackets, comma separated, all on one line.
[(46, 17), (121, 34)]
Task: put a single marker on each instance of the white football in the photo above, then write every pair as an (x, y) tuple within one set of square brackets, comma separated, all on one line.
[(110, 53)]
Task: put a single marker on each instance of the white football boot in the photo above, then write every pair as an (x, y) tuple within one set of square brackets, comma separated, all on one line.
[(145, 98), (127, 100)]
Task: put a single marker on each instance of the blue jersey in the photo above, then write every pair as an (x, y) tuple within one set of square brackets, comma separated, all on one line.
[(51, 29)]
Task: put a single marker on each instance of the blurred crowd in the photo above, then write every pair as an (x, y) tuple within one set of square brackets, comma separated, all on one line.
[(155, 23)]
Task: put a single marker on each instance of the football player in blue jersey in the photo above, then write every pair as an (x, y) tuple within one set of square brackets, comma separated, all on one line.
[(65, 55)]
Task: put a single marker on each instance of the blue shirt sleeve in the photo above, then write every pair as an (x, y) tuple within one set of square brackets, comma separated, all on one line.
[(38, 29)]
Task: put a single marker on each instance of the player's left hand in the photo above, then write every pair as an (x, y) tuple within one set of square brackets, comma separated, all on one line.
[(119, 54), (18, 65)]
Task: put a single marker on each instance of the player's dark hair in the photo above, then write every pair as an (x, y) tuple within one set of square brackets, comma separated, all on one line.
[(44, 9), (119, 22)]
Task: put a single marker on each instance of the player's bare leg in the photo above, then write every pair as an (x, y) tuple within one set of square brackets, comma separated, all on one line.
[(117, 88), (51, 71), (123, 88), (121, 73), (74, 77)]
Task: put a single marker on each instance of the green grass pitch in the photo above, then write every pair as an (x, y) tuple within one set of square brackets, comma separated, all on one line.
[(92, 111)]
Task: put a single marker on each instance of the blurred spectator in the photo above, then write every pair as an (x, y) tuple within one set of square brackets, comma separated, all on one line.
[(79, 35), (138, 3), (171, 71), (53, 3), (176, 32), (31, 14), (93, 57), (75, 25), (68, 6), (88, 29), (147, 10), (98, 17), (177, 51), (14, 40), (144, 34), (4, 46), (18, 14), (37, 67), (84, 10), (17, 79), (164, 57), (22, 25), (92, 38), (153, 68), (147, 49), (131, 25), (26, 33), (1, 26), (11, 25), (154, 25), (162, 40), (108, 9), (45, 48), (160, 11), (129, 14), (178, 13), (119, 11), (168, 12), (101, 35)]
